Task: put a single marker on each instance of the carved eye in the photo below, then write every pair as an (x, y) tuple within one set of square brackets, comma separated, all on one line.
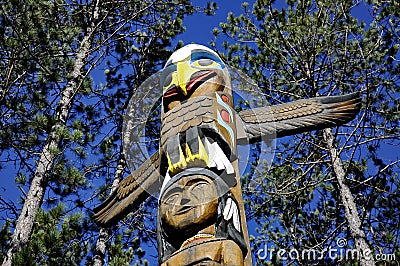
[(199, 187), (168, 80), (205, 62), (172, 199), (200, 190)]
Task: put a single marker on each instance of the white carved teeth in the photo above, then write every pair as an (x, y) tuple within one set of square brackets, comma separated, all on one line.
[(217, 157)]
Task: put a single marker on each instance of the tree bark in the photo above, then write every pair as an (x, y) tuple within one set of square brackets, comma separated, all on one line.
[(34, 198), (101, 247), (353, 218), (101, 244)]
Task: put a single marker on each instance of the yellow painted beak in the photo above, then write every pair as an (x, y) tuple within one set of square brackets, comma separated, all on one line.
[(184, 72)]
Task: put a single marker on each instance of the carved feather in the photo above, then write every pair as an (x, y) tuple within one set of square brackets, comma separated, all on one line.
[(298, 116), (131, 191), (275, 121)]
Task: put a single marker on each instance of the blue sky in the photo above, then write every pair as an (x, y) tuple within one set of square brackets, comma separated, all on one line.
[(199, 29), (199, 26)]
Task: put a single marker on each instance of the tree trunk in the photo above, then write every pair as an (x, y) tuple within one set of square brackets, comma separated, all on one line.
[(34, 199), (101, 247), (101, 244), (351, 213)]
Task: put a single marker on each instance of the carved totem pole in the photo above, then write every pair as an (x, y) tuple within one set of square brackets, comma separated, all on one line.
[(201, 219)]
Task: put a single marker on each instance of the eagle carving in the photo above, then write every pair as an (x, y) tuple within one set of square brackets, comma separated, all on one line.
[(200, 128)]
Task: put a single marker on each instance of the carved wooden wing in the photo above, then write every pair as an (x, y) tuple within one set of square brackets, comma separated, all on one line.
[(297, 117), (275, 121), (131, 191)]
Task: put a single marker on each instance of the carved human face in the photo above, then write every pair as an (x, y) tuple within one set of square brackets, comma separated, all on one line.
[(189, 205), (192, 71)]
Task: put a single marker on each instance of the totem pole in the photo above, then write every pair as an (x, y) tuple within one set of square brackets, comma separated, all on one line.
[(201, 218)]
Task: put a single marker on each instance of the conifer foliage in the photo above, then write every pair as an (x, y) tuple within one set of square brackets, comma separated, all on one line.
[(334, 184), (69, 68), (62, 97)]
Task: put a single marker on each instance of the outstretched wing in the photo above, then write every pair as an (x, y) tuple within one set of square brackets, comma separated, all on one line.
[(131, 191), (297, 117)]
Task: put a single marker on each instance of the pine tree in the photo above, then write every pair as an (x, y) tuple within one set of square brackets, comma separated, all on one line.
[(330, 184), (50, 75), (61, 127)]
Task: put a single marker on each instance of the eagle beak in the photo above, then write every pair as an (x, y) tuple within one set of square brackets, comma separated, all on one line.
[(184, 72)]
